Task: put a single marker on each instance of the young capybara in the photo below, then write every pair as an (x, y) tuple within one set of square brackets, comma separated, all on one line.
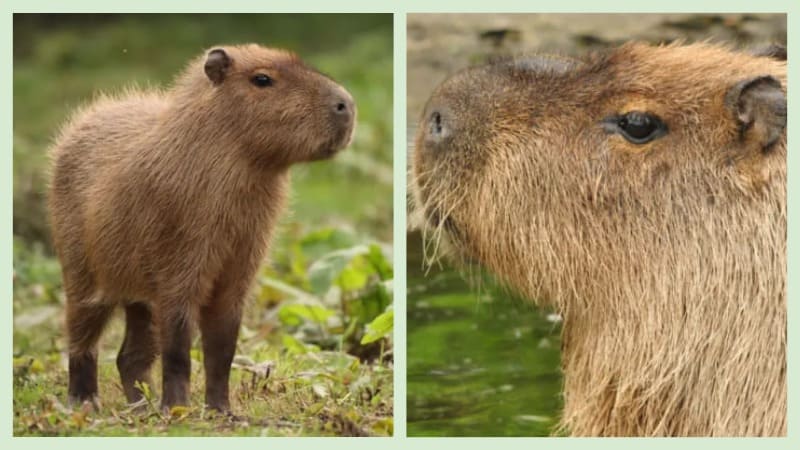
[(164, 203), (642, 193)]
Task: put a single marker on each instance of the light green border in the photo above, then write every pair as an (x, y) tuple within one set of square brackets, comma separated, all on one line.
[(400, 225), (791, 7)]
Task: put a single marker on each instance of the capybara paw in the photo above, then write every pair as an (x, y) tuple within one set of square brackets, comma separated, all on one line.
[(83, 402), (218, 403)]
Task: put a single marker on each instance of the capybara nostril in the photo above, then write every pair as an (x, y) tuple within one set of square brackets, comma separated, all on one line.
[(436, 120), (438, 127), (343, 105)]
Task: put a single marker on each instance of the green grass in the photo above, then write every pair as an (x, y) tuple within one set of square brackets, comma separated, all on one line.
[(322, 393), (314, 355)]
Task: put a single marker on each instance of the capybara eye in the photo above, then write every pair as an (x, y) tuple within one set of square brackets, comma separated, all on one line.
[(262, 80), (639, 127)]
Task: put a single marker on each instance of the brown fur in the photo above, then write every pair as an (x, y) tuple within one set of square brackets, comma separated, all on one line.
[(667, 260), (165, 202)]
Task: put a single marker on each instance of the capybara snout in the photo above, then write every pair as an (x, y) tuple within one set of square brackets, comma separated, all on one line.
[(164, 203)]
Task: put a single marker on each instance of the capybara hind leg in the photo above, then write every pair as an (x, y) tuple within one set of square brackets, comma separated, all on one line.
[(139, 350), (219, 324), (176, 341), (85, 324)]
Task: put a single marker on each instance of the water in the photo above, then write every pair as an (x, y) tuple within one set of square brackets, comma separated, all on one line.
[(478, 364)]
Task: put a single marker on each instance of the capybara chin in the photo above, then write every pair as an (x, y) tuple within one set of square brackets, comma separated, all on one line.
[(164, 203), (642, 193)]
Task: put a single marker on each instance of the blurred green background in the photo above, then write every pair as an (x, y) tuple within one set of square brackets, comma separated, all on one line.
[(321, 320)]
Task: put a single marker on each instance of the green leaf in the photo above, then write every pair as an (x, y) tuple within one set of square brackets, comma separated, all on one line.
[(287, 290), (379, 328), (196, 355), (179, 412), (325, 270), (382, 266), (384, 426), (354, 276), (144, 388), (318, 243), (295, 314), (370, 303), (314, 408), (295, 346)]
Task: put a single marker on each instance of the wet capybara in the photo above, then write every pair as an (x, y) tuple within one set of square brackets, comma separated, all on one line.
[(642, 193), (164, 203)]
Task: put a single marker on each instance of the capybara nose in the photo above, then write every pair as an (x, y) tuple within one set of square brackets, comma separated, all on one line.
[(343, 106)]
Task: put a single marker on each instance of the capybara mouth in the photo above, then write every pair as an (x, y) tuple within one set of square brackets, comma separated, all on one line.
[(434, 218), (341, 141), (446, 239), (326, 152), (350, 133)]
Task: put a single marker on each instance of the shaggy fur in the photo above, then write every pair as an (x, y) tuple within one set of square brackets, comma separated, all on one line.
[(667, 260), (165, 202)]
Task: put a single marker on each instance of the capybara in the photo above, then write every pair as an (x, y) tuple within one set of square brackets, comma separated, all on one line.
[(642, 193), (164, 203)]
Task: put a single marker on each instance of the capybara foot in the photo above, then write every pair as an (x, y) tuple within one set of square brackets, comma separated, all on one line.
[(85, 403)]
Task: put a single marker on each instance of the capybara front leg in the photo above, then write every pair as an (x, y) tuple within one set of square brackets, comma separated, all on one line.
[(139, 350), (219, 324), (85, 323), (176, 341)]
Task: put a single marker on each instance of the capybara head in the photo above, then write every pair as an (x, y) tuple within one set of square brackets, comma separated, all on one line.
[(282, 110), (556, 173)]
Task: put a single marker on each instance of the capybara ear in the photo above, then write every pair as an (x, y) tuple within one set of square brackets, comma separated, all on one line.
[(759, 106), (217, 64)]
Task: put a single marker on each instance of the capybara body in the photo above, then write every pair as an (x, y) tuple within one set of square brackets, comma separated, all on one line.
[(642, 193), (164, 203)]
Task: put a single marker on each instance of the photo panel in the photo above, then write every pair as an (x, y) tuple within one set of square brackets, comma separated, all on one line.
[(597, 225)]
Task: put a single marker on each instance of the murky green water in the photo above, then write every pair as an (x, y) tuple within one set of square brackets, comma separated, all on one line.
[(478, 364)]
